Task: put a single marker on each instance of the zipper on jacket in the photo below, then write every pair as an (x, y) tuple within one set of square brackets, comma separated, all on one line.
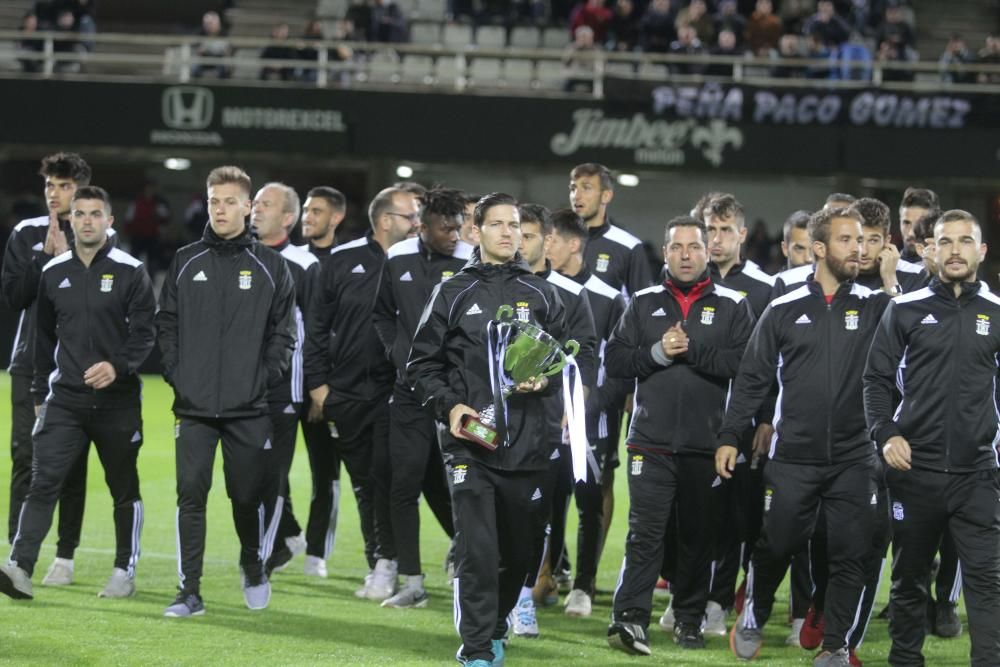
[(86, 324), (957, 349), (829, 383), (218, 365)]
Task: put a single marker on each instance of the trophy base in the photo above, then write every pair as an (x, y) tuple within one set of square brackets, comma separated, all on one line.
[(479, 433)]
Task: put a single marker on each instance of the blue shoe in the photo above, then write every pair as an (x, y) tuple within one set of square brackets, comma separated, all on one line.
[(498, 652), (477, 663)]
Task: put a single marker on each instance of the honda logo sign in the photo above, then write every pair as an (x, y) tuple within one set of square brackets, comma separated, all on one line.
[(188, 107)]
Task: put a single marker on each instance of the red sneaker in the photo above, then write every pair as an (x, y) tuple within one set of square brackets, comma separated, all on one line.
[(855, 662), (741, 597), (811, 635)]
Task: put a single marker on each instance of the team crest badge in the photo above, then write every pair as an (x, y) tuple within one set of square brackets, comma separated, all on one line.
[(245, 279), (851, 320), (603, 260), (107, 282), (707, 315), (897, 511), (983, 325), (522, 310), (446, 274), (637, 465), (458, 473)]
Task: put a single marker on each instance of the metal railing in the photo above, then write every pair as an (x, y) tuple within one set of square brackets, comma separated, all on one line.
[(176, 58)]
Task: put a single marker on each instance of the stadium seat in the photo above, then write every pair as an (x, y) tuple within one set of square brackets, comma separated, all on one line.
[(457, 36), (418, 69), (555, 38), (491, 37), (433, 9), (524, 37), (425, 33), (519, 72), (486, 70)]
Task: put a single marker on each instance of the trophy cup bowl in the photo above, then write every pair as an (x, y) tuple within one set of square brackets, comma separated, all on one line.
[(530, 354)]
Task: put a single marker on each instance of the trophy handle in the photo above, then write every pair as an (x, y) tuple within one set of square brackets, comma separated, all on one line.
[(504, 312), (573, 347)]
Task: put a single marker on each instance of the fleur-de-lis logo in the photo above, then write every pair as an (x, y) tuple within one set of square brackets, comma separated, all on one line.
[(713, 138)]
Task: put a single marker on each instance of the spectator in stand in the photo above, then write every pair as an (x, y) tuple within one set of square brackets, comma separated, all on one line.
[(214, 45), (359, 14), (831, 28), (578, 59), (314, 33), (725, 46), (594, 15), (66, 24), (817, 48), (990, 55), (764, 29), (794, 13), (281, 49), (148, 213), (892, 53), (696, 15), (895, 29), (29, 26), (687, 43), (789, 47), (83, 17), (728, 18), (956, 53), (656, 30), (388, 22), (623, 31)]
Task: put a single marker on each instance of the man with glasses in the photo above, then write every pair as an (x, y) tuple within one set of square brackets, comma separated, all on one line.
[(348, 374)]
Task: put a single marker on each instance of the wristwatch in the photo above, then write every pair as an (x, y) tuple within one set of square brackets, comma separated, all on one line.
[(895, 290)]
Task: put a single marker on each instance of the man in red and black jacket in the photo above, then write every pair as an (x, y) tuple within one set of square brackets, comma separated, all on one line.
[(814, 340), (681, 342)]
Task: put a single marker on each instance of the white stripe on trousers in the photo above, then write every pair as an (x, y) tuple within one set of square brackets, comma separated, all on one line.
[(137, 518)]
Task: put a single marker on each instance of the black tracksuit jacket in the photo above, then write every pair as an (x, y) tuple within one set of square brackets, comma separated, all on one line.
[(817, 350), (304, 268), (85, 315), (448, 362), (412, 271), (226, 325), (941, 351), (679, 405), (342, 349), (617, 258)]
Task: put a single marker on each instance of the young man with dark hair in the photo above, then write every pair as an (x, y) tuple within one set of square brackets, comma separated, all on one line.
[(605, 406), (348, 374), (93, 329), (273, 216), (681, 343), (469, 232), (322, 213), (814, 340), (413, 268), (940, 441), (32, 244), (496, 495), (613, 254), (839, 200), (725, 220), (915, 203), (795, 240), (881, 266), (536, 229), (226, 329)]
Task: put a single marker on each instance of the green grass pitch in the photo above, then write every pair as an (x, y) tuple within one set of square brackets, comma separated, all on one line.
[(310, 621)]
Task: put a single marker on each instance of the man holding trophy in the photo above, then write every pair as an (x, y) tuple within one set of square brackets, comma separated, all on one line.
[(481, 359)]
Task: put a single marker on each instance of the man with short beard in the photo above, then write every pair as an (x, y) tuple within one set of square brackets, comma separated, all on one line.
[(413, 269), (814, 339), (939, 442), (614, 255), (881, 266), (915, 203), (322, 213)]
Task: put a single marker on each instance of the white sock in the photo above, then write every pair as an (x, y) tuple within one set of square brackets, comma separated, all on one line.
[(68, 562), (415, 581)]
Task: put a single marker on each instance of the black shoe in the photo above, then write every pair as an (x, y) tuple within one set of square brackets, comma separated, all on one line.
[(688, 635), (628, 637), (184, 605), (280, 557), (946, 621)]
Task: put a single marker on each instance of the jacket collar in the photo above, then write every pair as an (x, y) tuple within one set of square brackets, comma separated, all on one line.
[(233, 245)]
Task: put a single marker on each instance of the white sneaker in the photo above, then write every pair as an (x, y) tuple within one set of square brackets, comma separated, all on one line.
[(60, 573), (715, 620), (578, 603), (15, 582), (314, 566), (385, 579), (297, 544), (410, 595), (793, 636), (522, 619), (363, 591), (119, 585), (667, 620), (257, 596)]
